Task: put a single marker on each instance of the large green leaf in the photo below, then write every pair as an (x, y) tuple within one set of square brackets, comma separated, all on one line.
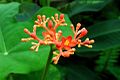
[(115, 71), (78, 72), (19, 59), (79, 6), (27, 10), (106, 35), (7, 11), (15, 56), (107, 60), (53, 74)]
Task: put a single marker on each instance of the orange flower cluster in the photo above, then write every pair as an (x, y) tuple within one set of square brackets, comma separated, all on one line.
[(63, 44)]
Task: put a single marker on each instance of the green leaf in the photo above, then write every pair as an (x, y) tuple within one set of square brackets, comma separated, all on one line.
[(3, 1), (106, 35), (15, 56), (79, 72), (19, 59), (107, 59), (115, 71), (27, 10), (76, 7), (7, 11), (53, 74), (20, 1)]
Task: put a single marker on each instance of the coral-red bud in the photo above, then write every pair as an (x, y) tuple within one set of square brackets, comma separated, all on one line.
[(26, 31), (83, 32), (50, 24), (87, 42), (65, 54), (78, 26), (36, 22), (92, 41), (61, 16), (72, 27), (54, 58), (39, 17)]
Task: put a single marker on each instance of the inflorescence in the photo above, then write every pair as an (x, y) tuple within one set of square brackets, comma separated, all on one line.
[(65, 45)]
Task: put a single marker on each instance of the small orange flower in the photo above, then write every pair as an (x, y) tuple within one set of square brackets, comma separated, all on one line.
[(67, 43)]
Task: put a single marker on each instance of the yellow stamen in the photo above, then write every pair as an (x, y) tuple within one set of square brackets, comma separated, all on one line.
[(89, 46), (79, 45), (26, 39), (33, 47), (66, 43), (55, 53)]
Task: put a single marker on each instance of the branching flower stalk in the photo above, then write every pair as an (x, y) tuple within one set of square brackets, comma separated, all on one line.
[(47, 65), (64, 45)]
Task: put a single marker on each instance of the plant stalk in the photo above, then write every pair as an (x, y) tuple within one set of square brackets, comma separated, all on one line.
[(44, 2), (10, 77), (48, 2), (48, 64)]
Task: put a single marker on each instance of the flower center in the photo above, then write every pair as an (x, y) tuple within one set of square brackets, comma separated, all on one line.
[(66, 43)]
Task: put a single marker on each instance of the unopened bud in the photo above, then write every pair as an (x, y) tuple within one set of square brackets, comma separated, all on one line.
[(33, 47), (66, 54), (92, 41), (89, 46), (50, 24), (79, 45), (36, 22), (39, 17), (26, 31), (56, 16), (24, 40), (43, 17), (83, 32), (78, 26), (72, 27), (61, 16)]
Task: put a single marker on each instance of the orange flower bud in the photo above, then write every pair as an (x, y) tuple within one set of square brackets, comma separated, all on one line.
[(56, 16), (50, 24), (83, 32), (36, 22), (66, 54), (27, 31), (78, 26), (61, 16), (39, 17)]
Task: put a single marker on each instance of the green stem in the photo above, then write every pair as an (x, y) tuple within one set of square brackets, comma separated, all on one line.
[(48, 64), (48, 2), (10, 77), (45, 2)]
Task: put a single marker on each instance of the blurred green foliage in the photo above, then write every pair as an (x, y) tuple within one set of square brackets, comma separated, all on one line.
[(100, 17)]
